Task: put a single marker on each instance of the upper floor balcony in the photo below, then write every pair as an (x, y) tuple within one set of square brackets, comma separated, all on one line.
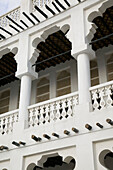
[(55, 77)]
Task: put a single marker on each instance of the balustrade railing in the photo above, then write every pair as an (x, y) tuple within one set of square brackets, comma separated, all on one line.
[(14, 14), (102, 96), (41, 3), (7, 120), (53, 110)]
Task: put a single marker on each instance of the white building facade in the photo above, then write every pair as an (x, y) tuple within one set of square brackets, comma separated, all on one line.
[(56, 85)]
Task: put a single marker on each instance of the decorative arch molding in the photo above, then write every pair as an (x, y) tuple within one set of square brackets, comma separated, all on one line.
[(5, 51), (53, 161), (8, 65), (45, 34), (95, 14), (65, 28)]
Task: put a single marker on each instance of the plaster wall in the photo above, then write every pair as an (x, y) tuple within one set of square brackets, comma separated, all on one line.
[(85, 146)]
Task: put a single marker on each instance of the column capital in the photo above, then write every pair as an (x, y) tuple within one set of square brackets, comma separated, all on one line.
[(87, 51), (31, 74)]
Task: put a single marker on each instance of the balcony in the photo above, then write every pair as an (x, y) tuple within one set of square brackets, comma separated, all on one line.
[(58, 109), (102, 96), (14, 14), (7, 120), (53, 110)]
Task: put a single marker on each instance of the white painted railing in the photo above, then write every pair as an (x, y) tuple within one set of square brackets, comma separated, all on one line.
[(102, 96), (41, 3), (14, 14), (7, 120), (53, 110)]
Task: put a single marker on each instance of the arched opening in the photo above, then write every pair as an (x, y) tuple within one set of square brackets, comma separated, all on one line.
[(54, 50), (106, 159), (101, 38), (8, 67), (54, 62), (54, 161), (104, 26)]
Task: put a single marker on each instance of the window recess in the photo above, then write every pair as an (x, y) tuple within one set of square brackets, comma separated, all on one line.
[(43, 91), (63, 82), (94, 73), (4, 101)]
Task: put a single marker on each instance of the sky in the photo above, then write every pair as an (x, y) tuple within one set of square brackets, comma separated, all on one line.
[(8, 5)]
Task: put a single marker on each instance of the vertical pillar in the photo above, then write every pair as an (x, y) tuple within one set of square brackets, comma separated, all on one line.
[(84, 154), (83, 78), (25, 95)]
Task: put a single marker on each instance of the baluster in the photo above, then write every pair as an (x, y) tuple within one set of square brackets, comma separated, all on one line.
[(42, 119), (52, 112), (15, 117), (69, 105), (31, 117), (47, 112), (74, 103), (101, 96), (58, 110), (5, 125), (109, 101), (11, 119), (63, 108), (8, 124), (2, 125), (94, 99), (36, 120)]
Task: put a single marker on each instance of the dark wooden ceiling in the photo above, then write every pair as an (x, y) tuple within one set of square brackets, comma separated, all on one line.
[(105, 27), (55, 44), (8, 67)]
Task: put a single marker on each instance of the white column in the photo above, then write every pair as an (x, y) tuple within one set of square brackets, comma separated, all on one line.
[(83, 78), (25, 95)]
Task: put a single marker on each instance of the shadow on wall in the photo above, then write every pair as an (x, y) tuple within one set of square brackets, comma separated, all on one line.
[(106, 159), (53, 161)]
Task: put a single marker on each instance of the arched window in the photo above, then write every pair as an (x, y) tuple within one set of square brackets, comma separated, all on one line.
[(4, 101), (63, 82), (94, 73), (109, 67), (43, 90)]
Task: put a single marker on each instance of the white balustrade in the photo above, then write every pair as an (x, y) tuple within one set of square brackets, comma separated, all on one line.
[(53, 110), (40, 3), (14, 14), (7, 120), (102, 96)]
